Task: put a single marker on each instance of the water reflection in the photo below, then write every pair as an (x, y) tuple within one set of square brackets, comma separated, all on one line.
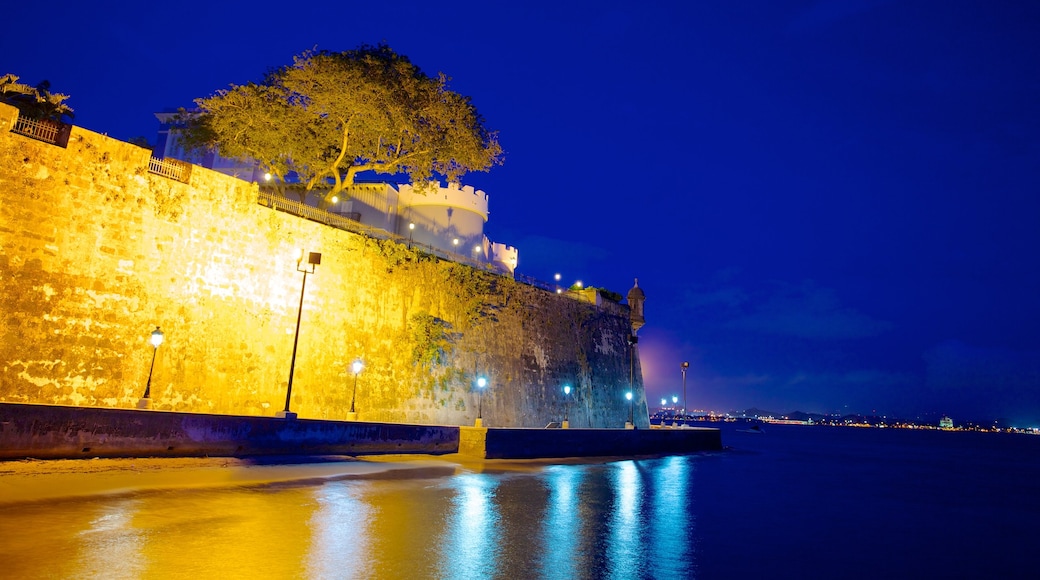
[(616, 520), (340, 536), (470, 542), (626, 525), (562, 539), (110, 543)]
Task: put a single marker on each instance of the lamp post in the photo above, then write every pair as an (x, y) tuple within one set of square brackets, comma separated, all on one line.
[(631, 411), (356, 367), (685, 366), (566, 407), (558, 289), (477, 250), (156, 339), (411, 230), (313, 259), (481, 383)]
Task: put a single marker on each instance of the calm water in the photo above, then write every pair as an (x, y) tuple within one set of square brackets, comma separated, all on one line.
[(793, 502)]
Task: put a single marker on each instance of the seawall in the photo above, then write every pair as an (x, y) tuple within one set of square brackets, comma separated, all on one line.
[(60, 432), (488, 443)]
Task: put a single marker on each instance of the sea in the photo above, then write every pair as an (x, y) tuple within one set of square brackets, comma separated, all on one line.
[(789, 502)]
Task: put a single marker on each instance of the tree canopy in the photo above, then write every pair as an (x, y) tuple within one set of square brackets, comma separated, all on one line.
[(330, 115), (37, 102)]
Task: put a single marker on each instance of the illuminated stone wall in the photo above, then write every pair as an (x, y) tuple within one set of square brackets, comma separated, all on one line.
[(95, 252)]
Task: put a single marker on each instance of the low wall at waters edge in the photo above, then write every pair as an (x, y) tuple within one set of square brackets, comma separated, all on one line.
[(548, 443), (58, 432)]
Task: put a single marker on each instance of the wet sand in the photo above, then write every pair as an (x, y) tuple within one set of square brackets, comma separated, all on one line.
[(37, 480)]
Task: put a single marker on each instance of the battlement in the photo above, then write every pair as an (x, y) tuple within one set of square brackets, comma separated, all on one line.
[(452, 195), (505, 256)]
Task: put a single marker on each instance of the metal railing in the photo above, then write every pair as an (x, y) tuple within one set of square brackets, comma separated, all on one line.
[(171, 168), (275, 201), (47, 131)]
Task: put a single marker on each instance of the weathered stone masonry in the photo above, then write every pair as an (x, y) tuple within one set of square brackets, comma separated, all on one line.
[(95, 252)]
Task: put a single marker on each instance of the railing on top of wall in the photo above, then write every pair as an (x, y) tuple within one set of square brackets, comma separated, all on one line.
[(171, 168), (351, 224), (275, 201), (47, 131)]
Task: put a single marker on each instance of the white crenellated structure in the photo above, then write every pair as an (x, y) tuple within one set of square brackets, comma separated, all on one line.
[(449, 218)]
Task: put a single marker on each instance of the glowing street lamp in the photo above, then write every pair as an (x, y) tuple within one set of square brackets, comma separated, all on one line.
[(411, 230), (156, 339), (356, 367), (477, 251), (313, 259), (631, 411), (481, 383), (566, 407), (685, 366)]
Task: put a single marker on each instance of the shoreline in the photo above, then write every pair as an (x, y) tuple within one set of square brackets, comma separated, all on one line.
[(36, 480), (33, 480)]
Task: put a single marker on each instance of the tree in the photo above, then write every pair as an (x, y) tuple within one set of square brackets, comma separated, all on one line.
[(34, 102), (330, 115)]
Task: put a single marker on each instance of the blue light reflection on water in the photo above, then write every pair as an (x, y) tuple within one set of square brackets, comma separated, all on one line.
[(471, 539), (561, 527)]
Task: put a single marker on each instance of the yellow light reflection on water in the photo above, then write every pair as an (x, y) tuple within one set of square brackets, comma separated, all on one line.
[(111, 544), (339, 542)]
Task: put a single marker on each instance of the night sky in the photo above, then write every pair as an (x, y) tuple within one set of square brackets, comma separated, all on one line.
[(832, 206)]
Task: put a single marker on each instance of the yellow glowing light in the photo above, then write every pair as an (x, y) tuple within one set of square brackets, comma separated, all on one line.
[(267, 177), (335, 199)]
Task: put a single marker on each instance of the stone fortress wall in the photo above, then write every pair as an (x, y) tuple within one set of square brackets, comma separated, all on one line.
[(96, 251)]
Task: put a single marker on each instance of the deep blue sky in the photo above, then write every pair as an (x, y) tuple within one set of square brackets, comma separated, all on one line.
[(831, 205)]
